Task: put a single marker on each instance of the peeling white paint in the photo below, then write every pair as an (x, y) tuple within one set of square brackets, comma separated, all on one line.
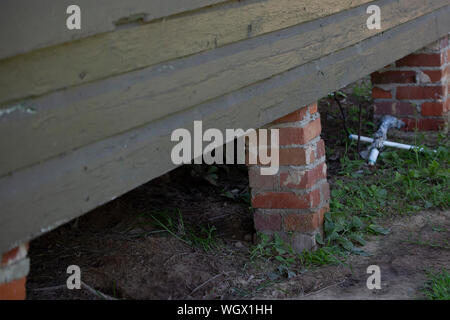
[(308, 153), (21, 254), (294, 177), (15, 271), (421, 77), (17, 108)]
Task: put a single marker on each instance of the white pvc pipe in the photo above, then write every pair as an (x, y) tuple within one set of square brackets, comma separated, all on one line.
[(386, 143), (373, 156)]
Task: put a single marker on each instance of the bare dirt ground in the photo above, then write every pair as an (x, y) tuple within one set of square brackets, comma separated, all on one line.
[(125, 255), (165, 268), (415, 245)]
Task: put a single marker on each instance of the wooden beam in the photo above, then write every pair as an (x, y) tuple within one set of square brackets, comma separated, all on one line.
[(128, 49), (28, 25), (41, 197), (68, 119)]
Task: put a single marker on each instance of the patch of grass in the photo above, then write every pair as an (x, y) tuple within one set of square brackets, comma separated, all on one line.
[(444, 245), (402, 183), (198, 236), (289, 263), (438, 286), (439, 228), (322, 256), (276, 249)]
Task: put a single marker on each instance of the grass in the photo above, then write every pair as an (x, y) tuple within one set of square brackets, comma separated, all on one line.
[(402, 183), (413, 180), (202, 237), (438, 286), (288, 262), (443, 245)]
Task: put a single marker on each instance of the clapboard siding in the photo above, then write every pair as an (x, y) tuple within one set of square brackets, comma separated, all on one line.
[(124, 50), (69, 119), (29, 24), (43, 196)]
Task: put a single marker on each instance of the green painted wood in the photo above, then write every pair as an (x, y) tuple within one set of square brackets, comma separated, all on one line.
[(127, 49), (69, 119), (28, 25), (43, 196)]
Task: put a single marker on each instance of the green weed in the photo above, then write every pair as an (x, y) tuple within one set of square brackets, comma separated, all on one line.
[(404, 182), (198, 236), (438, 286), (363, 90), (289, 263)]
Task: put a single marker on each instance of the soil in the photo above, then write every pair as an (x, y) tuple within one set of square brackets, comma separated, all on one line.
[(124, 254), (416, 244)]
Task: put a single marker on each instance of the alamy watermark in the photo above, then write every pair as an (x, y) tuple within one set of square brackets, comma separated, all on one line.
[(73, 22), (259, 151), (374, 21), (74, 280), (374, 280)]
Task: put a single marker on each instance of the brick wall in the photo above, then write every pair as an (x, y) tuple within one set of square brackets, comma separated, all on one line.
[(292, 203), (416, 88), (14, 267)]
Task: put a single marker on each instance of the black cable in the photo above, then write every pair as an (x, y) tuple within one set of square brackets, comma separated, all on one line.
[(342, 114), (359, 127)]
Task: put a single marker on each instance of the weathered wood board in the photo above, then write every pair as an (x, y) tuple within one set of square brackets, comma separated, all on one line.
[(299, 65), (129, 49), (28, 25), (68, 119)]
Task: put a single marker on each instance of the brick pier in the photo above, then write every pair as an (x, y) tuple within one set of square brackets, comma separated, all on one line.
[(14, 268), (416, 88), (292, 203)]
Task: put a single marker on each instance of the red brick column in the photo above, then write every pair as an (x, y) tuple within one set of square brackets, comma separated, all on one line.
[(14, 267), (292, 203), (415, 88)]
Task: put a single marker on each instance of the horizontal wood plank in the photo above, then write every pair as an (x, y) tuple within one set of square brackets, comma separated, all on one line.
[(42, 197), (124, 50), (69, 119), (29, 24)]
